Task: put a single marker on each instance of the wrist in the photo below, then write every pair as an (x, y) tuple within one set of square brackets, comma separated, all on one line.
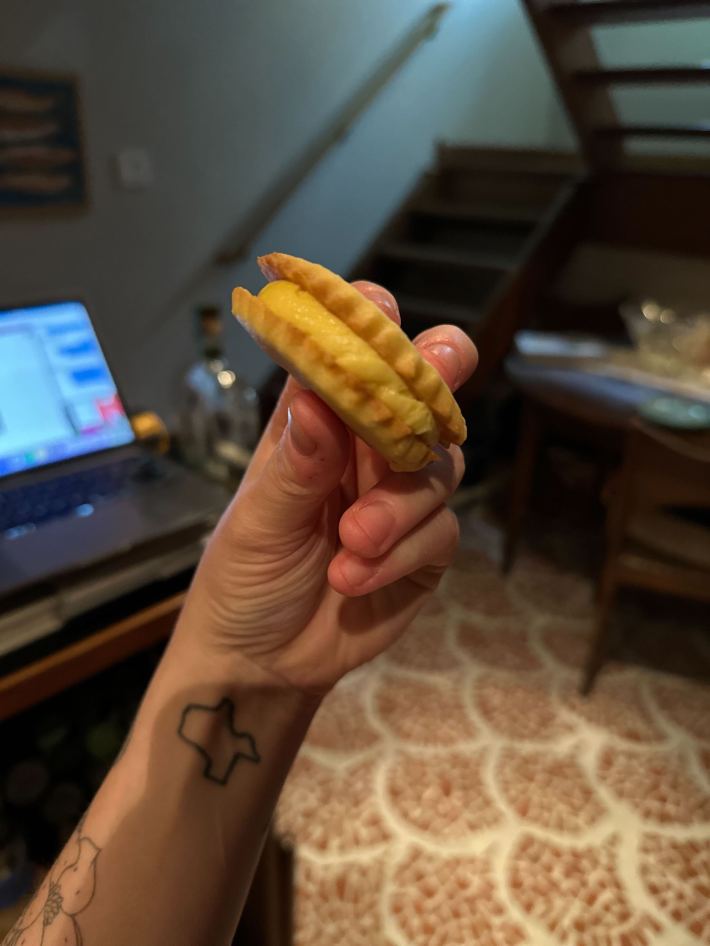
[(214, 644), (194, 663), (226, 691)]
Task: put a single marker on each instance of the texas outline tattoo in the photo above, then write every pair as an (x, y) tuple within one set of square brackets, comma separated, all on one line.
[(195, 728)]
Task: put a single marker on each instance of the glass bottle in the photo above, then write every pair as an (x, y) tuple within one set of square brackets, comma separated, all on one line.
[(220, 418)]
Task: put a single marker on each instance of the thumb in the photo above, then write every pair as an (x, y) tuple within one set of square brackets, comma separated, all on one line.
[(304, 468)]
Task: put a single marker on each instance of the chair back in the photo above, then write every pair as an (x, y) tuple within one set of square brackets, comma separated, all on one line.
[(666, 469)]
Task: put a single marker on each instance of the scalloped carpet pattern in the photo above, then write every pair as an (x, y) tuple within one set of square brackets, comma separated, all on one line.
[(458, 790)]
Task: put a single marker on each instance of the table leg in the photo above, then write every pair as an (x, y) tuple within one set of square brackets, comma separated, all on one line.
[(522, 480), (602, 632)]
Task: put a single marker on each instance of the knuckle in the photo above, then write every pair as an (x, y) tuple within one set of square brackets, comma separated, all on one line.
[(459, 465), (451, 533), (444, 476), (442, 333), (284, 480)]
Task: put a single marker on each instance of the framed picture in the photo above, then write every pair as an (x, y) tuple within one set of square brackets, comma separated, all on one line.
[(42, 164)]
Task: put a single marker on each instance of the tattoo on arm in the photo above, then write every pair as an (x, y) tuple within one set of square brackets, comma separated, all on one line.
[(211, 731), (50, 918)]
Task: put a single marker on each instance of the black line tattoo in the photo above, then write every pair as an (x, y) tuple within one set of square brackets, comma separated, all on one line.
[(210, 730), (50, 918)]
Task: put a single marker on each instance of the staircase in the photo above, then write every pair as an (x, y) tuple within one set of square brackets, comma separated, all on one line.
[(483, 236), (565, 31), (464, 233)]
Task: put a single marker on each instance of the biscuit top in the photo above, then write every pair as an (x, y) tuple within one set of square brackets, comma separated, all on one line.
[(372, 326), (350, 352)]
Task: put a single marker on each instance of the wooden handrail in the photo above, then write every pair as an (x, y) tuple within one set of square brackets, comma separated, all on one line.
[(237, 246)]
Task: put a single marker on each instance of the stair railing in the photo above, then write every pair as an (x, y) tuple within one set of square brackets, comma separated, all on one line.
[(237, 246)]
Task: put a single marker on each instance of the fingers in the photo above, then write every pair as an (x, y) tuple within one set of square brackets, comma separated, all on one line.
[(454, 356), (446, 347), (275, 427), (399, 524), (431, 544), (382, 298), (370, 466), (450, 351), (300, 474), (397, 503), (273, 431)]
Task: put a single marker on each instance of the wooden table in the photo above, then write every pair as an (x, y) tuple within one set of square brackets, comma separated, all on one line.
[(596, 399), (587, 408)]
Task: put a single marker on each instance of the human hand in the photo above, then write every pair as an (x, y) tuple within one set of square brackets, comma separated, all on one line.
[(324, 556)]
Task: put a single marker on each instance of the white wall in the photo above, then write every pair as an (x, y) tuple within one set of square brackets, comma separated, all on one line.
[(224, 95)]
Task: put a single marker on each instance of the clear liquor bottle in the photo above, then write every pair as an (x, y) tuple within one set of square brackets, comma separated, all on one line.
[(220, 418)]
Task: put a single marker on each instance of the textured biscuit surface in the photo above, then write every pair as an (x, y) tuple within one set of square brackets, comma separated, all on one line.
[(352, 354), (371, 324), (303, 357)]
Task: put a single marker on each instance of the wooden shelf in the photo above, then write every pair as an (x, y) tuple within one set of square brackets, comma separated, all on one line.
[(426, 254), (595, 12), (698, 130), (87, 657), (649, 75), (487, 215), (529, 162)]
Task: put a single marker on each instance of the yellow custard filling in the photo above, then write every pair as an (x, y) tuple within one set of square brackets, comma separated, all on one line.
[(350, 352)]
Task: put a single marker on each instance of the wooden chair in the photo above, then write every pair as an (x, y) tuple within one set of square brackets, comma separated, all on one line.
[(649, 545)]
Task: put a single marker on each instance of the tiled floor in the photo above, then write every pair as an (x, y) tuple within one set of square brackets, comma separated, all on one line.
[(459, 791)]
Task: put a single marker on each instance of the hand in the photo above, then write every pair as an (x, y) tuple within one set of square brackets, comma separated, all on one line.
[(324, 556)]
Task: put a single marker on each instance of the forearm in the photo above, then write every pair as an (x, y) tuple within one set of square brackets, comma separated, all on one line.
[(168, 847)]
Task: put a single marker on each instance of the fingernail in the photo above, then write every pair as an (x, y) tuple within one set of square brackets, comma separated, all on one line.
[(383, 300), (357, 571), (376, 521), (302, 441), (449, 360)]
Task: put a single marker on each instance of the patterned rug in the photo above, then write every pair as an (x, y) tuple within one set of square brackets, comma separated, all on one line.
[(458, 790)]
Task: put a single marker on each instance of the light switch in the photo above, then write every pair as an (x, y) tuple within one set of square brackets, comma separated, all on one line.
[(134, 168)]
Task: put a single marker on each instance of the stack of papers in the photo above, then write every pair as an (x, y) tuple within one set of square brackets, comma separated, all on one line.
[(548, 346), (595, 356)]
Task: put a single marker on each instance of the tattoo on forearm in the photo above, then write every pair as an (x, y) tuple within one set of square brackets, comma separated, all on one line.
[(210, 730), (50, 918)]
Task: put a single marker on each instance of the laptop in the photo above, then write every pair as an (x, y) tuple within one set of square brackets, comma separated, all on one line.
[(76, 488)]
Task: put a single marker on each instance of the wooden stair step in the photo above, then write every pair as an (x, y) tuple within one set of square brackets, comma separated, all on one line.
[(532, 162), (695, 130), (592, 12), (433, 310), (646, 75), (432, 255), (493, 214)]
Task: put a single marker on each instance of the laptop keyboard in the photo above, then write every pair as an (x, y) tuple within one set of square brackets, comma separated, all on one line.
[(77, 493)]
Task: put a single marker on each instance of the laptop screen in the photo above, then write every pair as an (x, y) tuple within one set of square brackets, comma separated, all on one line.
[(57, 397)]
